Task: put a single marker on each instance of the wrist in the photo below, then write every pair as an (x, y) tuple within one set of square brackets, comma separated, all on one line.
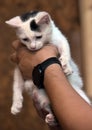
[(39, 70), (52, 74)]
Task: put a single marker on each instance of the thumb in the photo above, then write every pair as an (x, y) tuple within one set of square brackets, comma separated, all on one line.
[(14, 58)]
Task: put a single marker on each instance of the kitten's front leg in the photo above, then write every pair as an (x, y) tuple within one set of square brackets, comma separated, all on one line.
[(17, 92), (66, 65), (65, 57)]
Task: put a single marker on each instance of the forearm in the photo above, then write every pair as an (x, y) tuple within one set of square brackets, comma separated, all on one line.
[(71, 110)]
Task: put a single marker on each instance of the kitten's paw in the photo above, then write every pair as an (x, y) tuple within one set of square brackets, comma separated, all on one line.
[(16, 108), (50, 119), (67, 69), (66, 66)]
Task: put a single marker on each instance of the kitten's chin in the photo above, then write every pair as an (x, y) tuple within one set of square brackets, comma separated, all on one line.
[(34, 49)]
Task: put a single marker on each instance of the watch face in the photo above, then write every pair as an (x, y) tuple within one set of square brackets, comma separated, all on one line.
[(37, 75)]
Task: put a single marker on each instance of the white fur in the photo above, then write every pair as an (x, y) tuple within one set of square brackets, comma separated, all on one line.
[(50, 33)]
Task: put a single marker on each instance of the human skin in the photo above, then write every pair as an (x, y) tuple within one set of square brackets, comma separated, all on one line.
[(72, 112)]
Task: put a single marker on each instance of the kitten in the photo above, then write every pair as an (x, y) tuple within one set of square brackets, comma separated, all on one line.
[(34, 30)]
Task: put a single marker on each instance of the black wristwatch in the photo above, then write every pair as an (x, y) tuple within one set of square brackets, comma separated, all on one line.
[(38, 71)]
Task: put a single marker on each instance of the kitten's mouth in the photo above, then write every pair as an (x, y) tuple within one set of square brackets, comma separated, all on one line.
[(34, 49), (31, 49)]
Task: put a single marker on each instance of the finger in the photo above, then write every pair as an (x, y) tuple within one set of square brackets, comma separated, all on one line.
[(16, 44), (14, 58)]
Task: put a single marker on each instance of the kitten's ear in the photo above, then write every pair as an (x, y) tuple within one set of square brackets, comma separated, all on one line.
[(14, 22), (43, 18)]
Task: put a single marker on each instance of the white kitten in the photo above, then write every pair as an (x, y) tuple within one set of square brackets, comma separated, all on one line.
[(35, 29)]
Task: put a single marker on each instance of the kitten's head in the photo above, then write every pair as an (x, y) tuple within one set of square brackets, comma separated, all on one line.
[(33, 28)]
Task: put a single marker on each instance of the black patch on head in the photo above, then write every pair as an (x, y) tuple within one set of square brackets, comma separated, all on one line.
[(34, 26), (26, 16)]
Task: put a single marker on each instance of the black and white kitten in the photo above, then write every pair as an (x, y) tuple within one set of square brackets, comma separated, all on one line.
[(35, 29)]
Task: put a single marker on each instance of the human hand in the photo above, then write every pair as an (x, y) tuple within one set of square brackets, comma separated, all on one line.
[(26, 59)]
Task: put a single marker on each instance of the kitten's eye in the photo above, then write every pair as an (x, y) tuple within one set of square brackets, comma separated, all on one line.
[(38, 37), (25, 39)]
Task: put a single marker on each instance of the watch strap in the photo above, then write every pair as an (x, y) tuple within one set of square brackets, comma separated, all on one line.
[(48, 62), (42, 67)]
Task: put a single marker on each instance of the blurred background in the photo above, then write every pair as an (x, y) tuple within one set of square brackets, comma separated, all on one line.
[(69, 16)]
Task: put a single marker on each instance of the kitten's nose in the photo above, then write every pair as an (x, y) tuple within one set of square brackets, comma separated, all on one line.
[(33, 46)]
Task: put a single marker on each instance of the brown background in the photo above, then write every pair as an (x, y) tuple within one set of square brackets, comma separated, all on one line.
[(66, 15)]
